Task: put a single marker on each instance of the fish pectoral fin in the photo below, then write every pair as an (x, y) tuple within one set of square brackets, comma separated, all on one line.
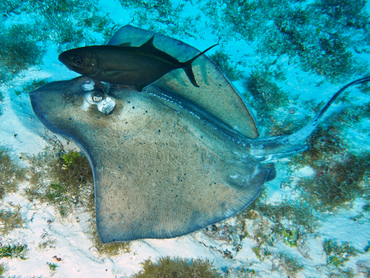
[(115, 73), (125, 44)]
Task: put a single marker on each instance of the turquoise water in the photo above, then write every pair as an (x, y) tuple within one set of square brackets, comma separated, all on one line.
[(286, 58)]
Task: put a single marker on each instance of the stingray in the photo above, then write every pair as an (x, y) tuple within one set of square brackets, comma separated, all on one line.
[(165, 163)]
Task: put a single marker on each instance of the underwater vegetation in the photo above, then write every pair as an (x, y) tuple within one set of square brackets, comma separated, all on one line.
[(22, 47), (267, 95), (13, 251), (52, 266), (338, 254), (307, 33), (222, 60), (269, 100), (289, 264), (161, 7), (177, 267), (70, 182), (338, 184), (11, 219), (10, 174), (341, 173), (162, 15), (31, 85), (2, 269), (19, 49)]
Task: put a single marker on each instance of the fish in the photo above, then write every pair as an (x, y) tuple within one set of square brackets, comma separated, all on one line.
[(215, 100), (165, 164), (125, 64)]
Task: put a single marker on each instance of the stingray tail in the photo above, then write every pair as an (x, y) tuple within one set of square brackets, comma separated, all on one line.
[(187, 66), (271, 149)]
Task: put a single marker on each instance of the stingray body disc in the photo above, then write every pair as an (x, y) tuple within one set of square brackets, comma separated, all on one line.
[(160, 171)]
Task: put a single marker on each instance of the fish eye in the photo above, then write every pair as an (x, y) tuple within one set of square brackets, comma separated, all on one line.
[(77, 60)]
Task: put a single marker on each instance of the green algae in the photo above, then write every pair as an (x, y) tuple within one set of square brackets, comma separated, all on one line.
[(11, 175), (295, 30), (222, 60), (177, 267), (11, 219), (19, 49), (13, 251), (338, 254), (22, 47), (291, 266), (267, 95), (30, 86), (71, 180), (3, 269), (52, 266), (337, 184), (109, 249)]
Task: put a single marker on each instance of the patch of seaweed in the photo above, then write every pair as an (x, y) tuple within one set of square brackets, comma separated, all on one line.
[(338, 254), (63, 179), (13, 251), (223, 61), (30, 86), (347, 13), (19, 48), (177, 267), (296, 30), (11, 219), (10, 174), (266, 94), (337, 184)]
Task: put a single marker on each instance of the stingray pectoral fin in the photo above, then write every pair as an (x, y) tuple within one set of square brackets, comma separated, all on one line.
[(175, 205), (215, 95)]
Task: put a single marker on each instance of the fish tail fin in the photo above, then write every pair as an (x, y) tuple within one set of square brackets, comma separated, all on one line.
[(187, 66)]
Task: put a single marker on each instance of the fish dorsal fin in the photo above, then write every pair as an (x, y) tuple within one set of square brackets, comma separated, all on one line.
[(215, 98), (150, 48), (149, 44)]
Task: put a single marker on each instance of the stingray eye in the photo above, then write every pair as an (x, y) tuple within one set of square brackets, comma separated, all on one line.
[(77, 60), (104, 103), (97, 97)]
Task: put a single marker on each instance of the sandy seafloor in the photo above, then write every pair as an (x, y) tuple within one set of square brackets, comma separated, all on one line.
[(21, 132)]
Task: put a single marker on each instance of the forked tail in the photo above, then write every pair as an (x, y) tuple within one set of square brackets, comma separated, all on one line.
[(187, 66)]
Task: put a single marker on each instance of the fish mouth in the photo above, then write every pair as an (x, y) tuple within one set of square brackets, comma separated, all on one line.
[(61, 58)]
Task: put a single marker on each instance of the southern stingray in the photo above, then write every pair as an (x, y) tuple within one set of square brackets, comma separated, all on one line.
[(173, 158)]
